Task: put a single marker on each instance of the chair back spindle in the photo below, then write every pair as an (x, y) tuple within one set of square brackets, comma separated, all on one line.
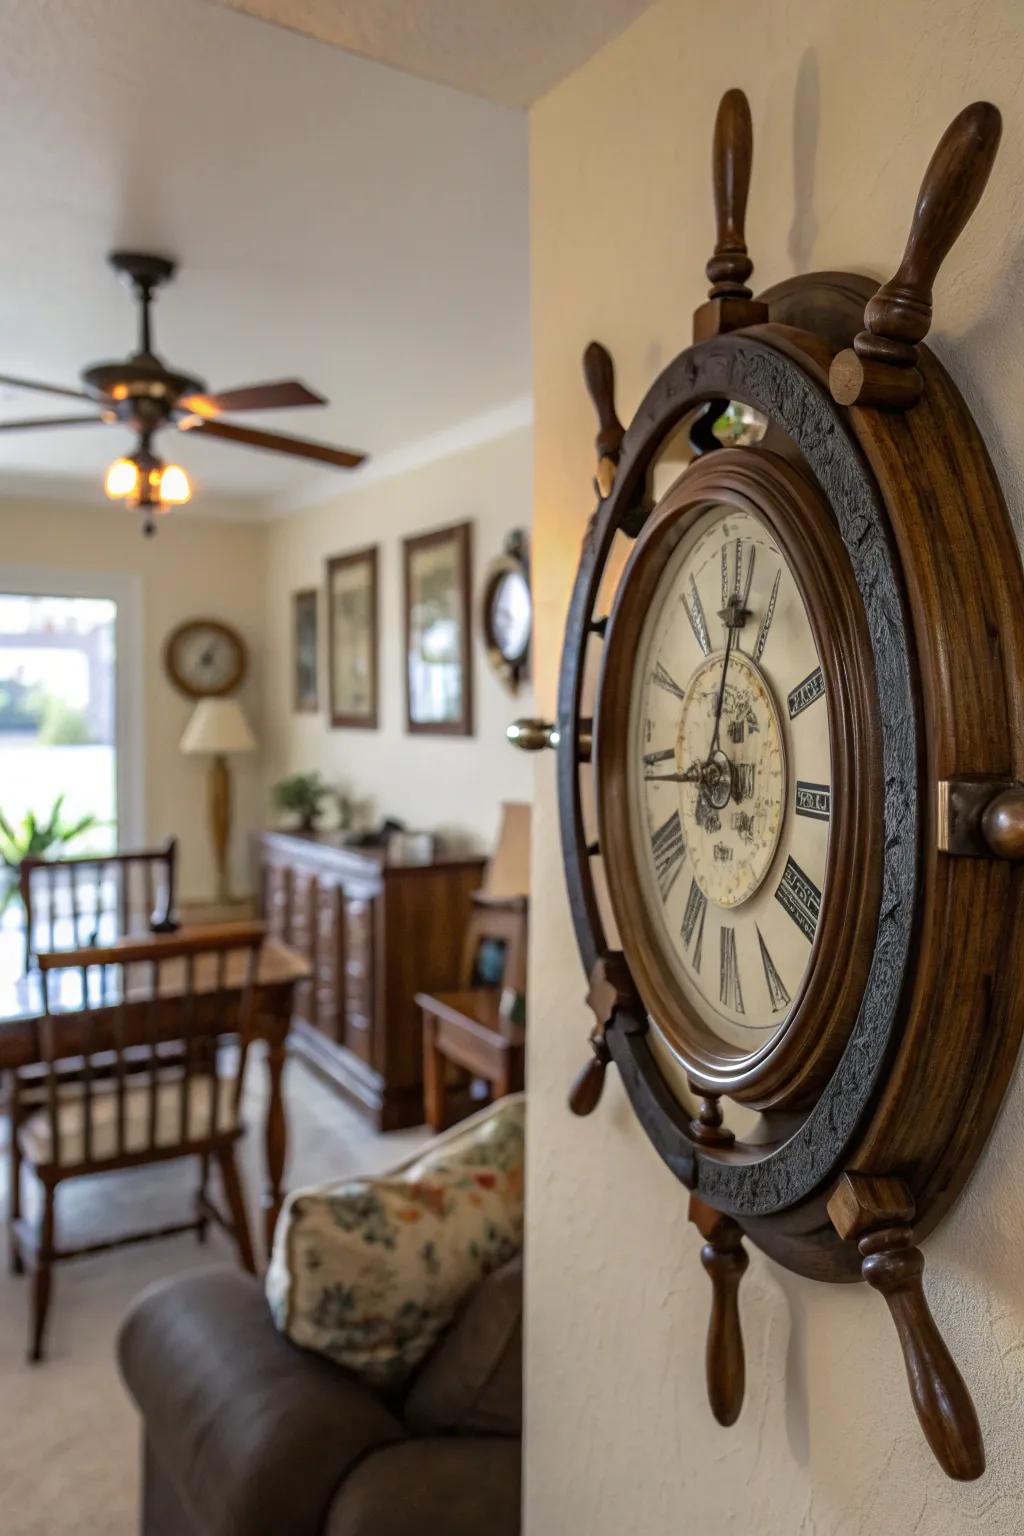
[(70, 904)]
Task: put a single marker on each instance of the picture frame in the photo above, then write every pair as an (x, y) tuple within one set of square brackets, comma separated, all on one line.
[(353, 639), (438, 639), (306, 651)]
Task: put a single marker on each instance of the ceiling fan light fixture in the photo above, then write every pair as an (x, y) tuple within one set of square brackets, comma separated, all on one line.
[(122, 479), (175, 486)]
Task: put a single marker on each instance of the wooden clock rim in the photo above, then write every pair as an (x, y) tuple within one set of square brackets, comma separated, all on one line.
[(791, 1067), (174, 640)]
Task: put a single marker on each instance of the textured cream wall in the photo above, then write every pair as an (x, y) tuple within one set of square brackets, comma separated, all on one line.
[(182, 573), (453, 784), (848, 102)]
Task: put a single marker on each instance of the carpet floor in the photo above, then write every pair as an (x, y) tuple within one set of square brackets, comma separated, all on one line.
[(68, 1431)]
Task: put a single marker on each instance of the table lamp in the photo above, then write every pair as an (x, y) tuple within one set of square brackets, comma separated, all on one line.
[(219, 728)]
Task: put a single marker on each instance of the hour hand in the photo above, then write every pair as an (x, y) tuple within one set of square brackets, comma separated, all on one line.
[(691, 775)]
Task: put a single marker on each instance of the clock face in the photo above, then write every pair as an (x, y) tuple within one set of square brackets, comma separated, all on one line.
[(205, 658), (729, 777), (511, 615)]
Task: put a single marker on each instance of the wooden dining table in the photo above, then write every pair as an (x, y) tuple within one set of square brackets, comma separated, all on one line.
[(280, 970)]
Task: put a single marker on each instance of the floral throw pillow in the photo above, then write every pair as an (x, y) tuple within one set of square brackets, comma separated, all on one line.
[(370, 1271)]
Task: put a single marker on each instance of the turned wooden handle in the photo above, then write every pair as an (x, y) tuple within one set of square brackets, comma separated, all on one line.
[(588, 1085), (599, 373), (732, 154), (725, 1261), (877, 1213), (941, 1400), (899, 315)]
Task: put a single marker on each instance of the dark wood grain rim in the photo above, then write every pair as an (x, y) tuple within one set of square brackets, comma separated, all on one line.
[(794, 1064)]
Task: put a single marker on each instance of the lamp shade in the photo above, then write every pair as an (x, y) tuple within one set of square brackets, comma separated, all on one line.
[(508, 873), (218, 726)]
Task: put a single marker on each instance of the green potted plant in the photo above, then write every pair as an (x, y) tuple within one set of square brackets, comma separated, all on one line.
[(302, 795), (33, 838)]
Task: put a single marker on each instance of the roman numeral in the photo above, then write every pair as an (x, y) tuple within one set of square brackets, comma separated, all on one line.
[(729, 991), (669, 851), (695, 614), (738, 587), (693, 923), (798, 896), (814, 800), (777, 994), (725, 574), (806, 693), (766, 622), (664, 679), (652, 759)]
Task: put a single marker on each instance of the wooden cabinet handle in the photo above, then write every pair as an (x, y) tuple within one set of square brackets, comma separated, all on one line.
[(880, 368), (877, 1213), (725, 1262)]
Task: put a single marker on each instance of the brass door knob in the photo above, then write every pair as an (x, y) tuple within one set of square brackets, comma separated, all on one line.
[(531, 735)]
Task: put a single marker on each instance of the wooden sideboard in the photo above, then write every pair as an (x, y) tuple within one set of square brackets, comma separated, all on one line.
[(375, 933)]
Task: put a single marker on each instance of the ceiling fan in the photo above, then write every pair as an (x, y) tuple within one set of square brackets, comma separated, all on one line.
[(147, 396)]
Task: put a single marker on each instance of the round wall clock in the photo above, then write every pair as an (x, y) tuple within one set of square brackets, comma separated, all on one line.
[(507, 611), (792, 826), (205, 658)]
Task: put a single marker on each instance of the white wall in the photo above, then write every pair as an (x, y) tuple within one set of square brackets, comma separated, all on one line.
[(452, 784), (848, 102), (194, 568)]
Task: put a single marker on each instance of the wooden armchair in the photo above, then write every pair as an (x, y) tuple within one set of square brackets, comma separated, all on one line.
[(478, 1028), (81, 902), (169, 1005)]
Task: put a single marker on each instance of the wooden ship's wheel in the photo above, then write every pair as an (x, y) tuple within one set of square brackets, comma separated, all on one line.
[(792, 828)]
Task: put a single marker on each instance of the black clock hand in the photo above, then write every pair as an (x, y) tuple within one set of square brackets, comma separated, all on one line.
[(692, 775), (734, 616), (733, 631)]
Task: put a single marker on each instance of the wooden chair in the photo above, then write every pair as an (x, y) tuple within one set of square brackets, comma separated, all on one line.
[(470, 1029), (81, 902), (165, 998)]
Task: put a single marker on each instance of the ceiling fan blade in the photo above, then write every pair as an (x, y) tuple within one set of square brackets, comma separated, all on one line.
[(45, 389), (276, 442), (253, 397), (52, 421)]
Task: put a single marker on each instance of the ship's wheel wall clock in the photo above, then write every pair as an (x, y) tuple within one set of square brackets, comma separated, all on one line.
[(799, 899)]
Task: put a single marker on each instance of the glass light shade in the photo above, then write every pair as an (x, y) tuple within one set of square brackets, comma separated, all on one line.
[(122, 479), (175, 486)]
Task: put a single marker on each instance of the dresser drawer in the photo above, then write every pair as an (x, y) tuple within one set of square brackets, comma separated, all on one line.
[(359, 925), (329, 964)]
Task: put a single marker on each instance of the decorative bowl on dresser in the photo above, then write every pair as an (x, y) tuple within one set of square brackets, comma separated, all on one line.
[(376, 933)]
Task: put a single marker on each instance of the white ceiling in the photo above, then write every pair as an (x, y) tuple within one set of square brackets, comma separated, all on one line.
[(510, 51), (335, 220)]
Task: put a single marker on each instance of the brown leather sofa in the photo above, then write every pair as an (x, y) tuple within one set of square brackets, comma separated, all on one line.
[(246, 1435)]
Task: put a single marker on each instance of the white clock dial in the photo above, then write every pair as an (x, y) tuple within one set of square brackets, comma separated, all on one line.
[(730, 776)]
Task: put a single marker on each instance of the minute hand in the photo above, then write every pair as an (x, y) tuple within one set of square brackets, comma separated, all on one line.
[(721, 694)]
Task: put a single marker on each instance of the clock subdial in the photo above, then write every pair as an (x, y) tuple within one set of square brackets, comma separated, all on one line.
[(732, 815)]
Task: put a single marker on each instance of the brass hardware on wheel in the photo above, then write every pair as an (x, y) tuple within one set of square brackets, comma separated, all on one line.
[(531, 735)]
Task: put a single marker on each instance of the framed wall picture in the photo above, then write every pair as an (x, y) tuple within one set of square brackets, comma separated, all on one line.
[(305, 660), (438, 655), (352, 638)]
